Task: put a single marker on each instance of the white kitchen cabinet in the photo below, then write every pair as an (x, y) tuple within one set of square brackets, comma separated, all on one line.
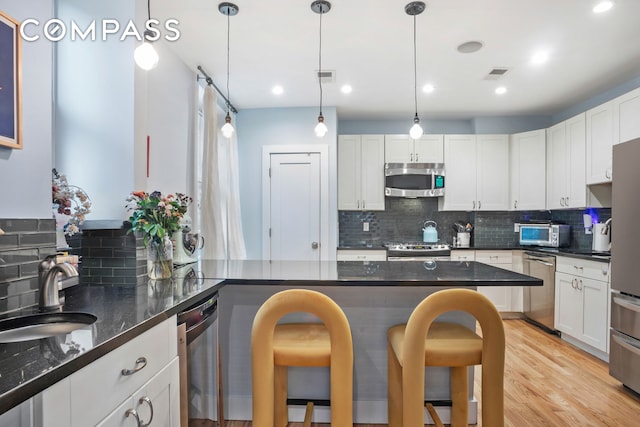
[(404, 149), (361, 172), (626, 117), (361, 255), (582, 303), (477, 168), (500, 296), (599, 143), (19, 416), (158, 401), (91, 394), (463, 255), (566, 154), (527, 172)]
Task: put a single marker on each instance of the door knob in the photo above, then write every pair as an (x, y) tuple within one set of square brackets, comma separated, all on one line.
[(314, 245)]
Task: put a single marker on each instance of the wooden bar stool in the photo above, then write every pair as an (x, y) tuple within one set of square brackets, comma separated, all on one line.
[(275, 347), (411, 348)]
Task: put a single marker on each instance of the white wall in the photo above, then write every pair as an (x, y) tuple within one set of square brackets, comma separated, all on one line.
[(106, 107), (279, 126), (25, 175)]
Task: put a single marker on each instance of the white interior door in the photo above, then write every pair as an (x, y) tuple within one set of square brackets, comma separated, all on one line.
[(295, 205)]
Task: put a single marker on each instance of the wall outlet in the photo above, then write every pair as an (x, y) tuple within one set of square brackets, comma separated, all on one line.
[(516, 227), (365, 226)]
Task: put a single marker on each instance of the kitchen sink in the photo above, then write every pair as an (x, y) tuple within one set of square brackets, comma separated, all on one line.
[(42, 325)]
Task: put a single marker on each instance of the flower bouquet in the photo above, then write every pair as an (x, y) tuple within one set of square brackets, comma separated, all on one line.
[(70, 204), (157, 217)]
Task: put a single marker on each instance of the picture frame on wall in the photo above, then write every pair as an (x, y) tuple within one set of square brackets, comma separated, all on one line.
[(10, 82)]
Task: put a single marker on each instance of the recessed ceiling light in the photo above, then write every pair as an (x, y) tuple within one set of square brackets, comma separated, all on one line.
[(539, 58), (602, 6), (346, 89), (428, 88), (470, 47), (501, 90), (277, 90)]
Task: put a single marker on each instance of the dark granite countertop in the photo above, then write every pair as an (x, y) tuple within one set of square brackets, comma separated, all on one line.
[(364, 273), (125, 312)]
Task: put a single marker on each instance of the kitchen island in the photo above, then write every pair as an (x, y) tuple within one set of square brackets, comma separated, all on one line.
[(374, 295)]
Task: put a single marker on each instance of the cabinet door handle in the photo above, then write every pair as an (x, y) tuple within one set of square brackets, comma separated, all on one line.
[(479, 204), (141, 362), (607, 174), (411, 157), (573, 283), (416, 157), (561, 201), (364, 205), (474, 205), (134, 414), (515, 205), (579, 282), (146, 400), (358, 203), (566, 201)]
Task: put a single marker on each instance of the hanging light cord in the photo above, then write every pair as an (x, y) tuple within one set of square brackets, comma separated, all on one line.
[(415, 66), (149, 9), (320, 58), (228, 50)]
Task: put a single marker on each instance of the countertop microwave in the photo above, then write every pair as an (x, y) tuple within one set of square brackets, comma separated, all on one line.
[(414, 179), (548, 235)]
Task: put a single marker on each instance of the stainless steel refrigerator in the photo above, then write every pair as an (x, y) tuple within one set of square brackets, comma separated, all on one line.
[(624, 354)]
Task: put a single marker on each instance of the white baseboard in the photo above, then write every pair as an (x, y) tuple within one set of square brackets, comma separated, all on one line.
[(364, 412)]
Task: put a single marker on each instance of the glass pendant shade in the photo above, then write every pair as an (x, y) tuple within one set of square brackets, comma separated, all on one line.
[(146, 56), (416, 130), (321, 129), (227, 129)]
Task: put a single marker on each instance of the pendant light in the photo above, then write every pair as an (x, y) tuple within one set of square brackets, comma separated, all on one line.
[(320, 7), (145, 55), (415, 8), (228, 9)]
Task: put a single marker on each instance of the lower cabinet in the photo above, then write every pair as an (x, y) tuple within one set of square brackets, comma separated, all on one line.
[(361, 255), (157, 403), (140, 375), (582, 302), (505, 298)]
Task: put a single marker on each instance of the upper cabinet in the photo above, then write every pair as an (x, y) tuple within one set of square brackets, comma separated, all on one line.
[(404, 149), (361, 172), (599, 143), (527, 152), (626, 117), (477, 168), (566, 184)]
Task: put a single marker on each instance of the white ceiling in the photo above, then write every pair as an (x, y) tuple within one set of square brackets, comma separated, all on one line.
[(369, 44)]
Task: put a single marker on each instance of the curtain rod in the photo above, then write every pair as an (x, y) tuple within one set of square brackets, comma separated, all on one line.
[(210, 82)]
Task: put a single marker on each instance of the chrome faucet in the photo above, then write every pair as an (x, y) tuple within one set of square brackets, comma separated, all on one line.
[(607, 225), (48, 286)]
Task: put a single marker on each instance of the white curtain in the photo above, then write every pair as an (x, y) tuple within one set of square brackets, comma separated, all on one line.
[(220, 218)]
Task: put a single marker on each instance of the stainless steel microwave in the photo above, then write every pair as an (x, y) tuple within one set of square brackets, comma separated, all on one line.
[(414, 179), (549, 235)]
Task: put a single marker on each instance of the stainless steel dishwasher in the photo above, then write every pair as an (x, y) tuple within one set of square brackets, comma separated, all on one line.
[(539, 301), (200, 388)]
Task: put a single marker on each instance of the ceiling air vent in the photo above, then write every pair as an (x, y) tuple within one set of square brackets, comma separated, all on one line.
[(496, 73), (326, 76)]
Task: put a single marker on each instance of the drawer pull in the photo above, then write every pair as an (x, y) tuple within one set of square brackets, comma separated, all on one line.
[(148, 401), (627, 305), (624, 344), (141, 362), (134, 414)]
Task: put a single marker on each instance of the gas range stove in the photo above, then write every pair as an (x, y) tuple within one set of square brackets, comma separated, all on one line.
[(396, 251)]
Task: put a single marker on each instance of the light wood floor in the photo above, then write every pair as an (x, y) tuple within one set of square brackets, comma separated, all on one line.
[(551, 383)]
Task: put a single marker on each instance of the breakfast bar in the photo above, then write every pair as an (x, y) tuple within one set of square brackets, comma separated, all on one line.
[(373, 295)]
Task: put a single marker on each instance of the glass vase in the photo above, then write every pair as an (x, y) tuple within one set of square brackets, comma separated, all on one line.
[(160, 259)]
